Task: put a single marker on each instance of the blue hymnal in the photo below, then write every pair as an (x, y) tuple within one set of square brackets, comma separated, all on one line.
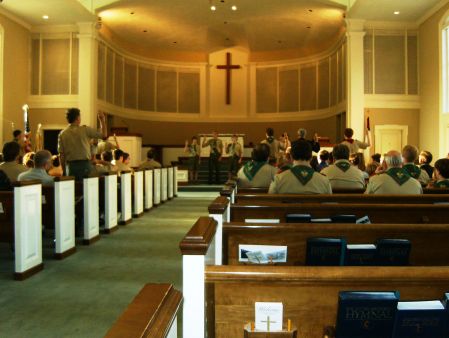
[(366, 314), (446, 304), (425, 319), (325, 251), (344, 219), (360, 254), (298, 218), (393, 252)]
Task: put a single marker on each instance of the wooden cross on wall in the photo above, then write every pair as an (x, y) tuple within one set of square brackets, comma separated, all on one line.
[(228, 67)]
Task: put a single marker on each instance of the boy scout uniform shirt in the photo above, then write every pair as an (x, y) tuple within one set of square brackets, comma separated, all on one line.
[(343, 175), (262, 179), (355, 146), (287, 183), (215, 144), (150, 164), (74, 142), (13, 169), (37, 174), (234, 149), (275, 147), (384, 184), (422, 175), (194, 150), (105, 146)]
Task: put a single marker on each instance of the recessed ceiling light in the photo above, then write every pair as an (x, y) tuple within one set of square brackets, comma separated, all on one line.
[(175, 42), (45, 17), (396, 12), (132, 13), (310, 10), (225, 22), (234, 7), (213, 8), (308, 27), (145, 31)]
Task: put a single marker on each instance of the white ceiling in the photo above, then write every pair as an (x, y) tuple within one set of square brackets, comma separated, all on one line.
[(258, 25)]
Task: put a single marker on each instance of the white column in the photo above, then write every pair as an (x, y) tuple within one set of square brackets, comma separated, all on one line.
[(110, 203), (170, 182), (138, 194), (91, 210), (175, 181), (164, 184), (28, 230), (125, 189), (355, 77), (148, 189), (87, 70), (193, 289), (64, 217), (157, 186)]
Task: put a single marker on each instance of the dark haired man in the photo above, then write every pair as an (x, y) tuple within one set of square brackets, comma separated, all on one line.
[(257, 173), (74, 144), (216, 151), (11, 167), (150, 163), (441, 173), (235, 151), (355, 145), (409, 156), (425, 158), (342, 174), (301, 178), (17, 136), (275, 145)]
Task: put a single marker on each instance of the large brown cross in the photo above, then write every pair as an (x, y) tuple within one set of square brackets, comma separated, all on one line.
[(228, 67)]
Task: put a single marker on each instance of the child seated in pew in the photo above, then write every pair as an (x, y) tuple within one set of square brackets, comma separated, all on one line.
[(42, 163), (441, 174), (257, 173), (11, 166), (56, 167), (105, 164)]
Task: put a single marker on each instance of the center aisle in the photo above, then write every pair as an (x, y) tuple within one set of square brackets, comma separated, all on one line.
[(83, 295)]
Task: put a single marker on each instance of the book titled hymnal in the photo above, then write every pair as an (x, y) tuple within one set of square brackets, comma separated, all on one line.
[(360, 254), (366, 314), (298, 218), (344, 219), (269, 316), (325, 251), (424, 319), (393, 252)]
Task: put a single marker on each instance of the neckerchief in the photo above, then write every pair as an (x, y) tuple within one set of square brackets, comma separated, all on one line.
[(193, 150), (303, 173), (343, 166), (251, 168), (350, 140), (442, 184), (214, 147), (413, 170), (399, 175)]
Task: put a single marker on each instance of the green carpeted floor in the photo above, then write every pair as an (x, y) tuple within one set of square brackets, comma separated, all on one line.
[(84, 294)]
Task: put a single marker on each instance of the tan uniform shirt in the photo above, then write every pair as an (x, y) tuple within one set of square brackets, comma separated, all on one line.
[(384, 184), (105, 146), (122, 166), (352, 178), (150, 164), (215, 143), (234, 149), (287, 183), (105, 168), (74, 142), (262, 179), (13, 169), (275, 148), (355, 146)]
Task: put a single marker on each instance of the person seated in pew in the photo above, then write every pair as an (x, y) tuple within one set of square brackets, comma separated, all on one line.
[(42, 163), (11, 167), (150, 163), (425, 158), (56, 167), (324, 160), (395, 179), (441, 174), (342, 174), (301, 178), (119, 156), (257, 173), (409, 156), (105, 164)]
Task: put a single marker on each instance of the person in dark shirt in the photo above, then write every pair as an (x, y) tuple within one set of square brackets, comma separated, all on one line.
[(425, 158), (302, 133)]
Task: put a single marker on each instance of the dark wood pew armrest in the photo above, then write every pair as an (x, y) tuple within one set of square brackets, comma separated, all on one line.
[(199, 238)]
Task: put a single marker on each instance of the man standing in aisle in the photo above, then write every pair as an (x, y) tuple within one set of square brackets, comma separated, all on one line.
[(216, 151), (74, 144), (235, 151)]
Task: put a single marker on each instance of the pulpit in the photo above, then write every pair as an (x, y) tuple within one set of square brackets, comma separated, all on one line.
[(225, 138), (131, 144)]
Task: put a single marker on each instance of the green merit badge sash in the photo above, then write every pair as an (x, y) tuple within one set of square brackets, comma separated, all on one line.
[(413, 170), (251, 168), (303, 174), (442, 184), (399, 175), (343, 166)]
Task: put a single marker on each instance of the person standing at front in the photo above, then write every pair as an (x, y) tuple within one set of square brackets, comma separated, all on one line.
[(216, 151), (74, 144)]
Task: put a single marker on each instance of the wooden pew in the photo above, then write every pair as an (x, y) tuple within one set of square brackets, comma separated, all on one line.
[(137, 193), (249, 199), (58, 213), (88, 208), (21, 224), (152, 313), (109, 201), (378, 213), (309, 294), (164, 184), (157, 174), (429, 241), (148, 189), (125, 198)]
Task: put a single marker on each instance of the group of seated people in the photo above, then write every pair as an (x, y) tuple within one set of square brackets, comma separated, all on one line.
[(397, 174), (43, 166)]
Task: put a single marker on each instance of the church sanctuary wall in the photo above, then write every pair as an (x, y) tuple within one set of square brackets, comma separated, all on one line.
[(433, 124), (15, 70)]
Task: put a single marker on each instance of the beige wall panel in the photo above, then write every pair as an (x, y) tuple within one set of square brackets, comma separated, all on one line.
[(333, 92), (146, 89), (75, 58), (266, 89), (288, 90), (189, 92), (308, 87), (166, 92), (101, 72), (130, 85), (389, 59), (109, 76), (368, 63), (118, 81), (55, 66), (412, 59), (323, 84)]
